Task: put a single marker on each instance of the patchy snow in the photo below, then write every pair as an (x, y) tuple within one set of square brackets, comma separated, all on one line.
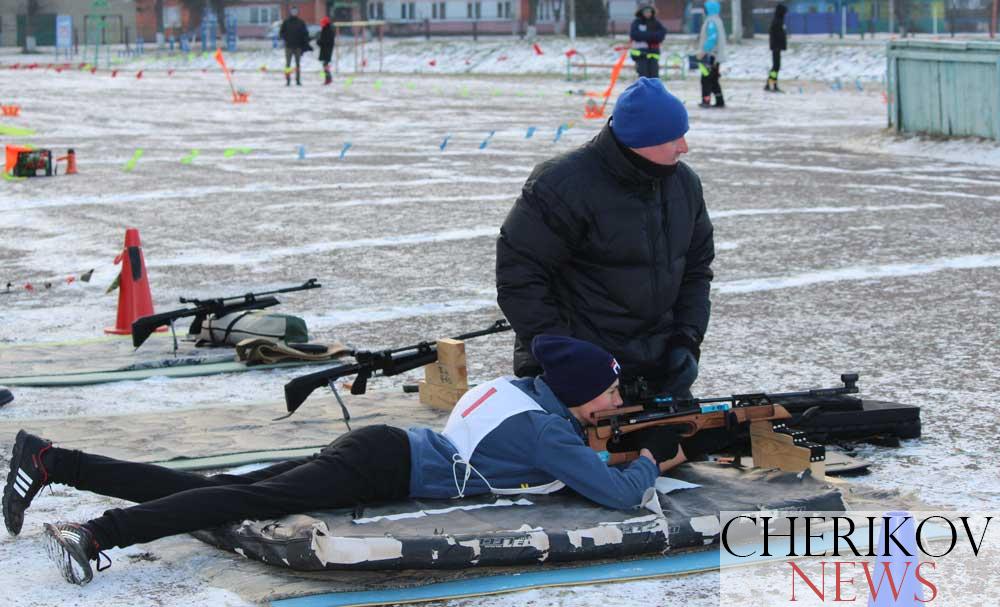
[(841, 247)]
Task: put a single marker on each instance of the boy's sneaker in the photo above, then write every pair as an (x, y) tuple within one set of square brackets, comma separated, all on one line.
[(5, 396), (26, 478), (71, 547)]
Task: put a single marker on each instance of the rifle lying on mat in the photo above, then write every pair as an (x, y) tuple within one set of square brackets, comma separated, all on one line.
[(388, 362), (217, 307), (692, 415)]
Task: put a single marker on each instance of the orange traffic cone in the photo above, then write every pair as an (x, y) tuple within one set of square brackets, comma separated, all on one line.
[(134, 299)]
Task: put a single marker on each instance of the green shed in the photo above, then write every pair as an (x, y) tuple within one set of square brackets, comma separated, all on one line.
[(944, 87)]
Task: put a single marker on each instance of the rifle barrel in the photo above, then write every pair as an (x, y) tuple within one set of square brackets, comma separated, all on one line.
[(309, 284)]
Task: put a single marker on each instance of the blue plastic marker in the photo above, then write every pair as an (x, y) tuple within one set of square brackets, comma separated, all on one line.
[(801, 92), (347, 146), (857, 83), (531, 131), (486, 141), (302, 152), (559, 132), (444, 143)]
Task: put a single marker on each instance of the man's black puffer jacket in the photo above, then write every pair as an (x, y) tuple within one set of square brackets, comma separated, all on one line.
[(597, 249)]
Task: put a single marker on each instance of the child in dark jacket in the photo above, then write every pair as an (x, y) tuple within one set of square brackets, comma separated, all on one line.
[(778, 42), (647, 34), (325, 43)]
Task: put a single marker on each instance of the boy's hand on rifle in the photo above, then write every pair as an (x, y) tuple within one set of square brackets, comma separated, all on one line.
[(660, 441)]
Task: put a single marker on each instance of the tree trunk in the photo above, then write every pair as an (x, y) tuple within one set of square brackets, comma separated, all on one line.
[(158, 11), (31, 9), (746, 9)]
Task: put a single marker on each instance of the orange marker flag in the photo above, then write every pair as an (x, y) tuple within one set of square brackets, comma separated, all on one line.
[(238, 96), (592, 110)]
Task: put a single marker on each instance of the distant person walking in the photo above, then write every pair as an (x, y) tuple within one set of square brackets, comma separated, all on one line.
[(325, 42), (647, 34), (296, 36), (711, 53), (779, 42)]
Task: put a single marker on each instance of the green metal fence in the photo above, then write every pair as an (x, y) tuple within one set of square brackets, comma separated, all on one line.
[(944, 88)]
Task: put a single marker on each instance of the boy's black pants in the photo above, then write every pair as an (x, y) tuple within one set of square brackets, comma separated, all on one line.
[(367, 465), (710, 83)]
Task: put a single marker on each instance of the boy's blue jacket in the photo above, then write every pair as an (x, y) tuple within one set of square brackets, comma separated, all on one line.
[(532, 447)]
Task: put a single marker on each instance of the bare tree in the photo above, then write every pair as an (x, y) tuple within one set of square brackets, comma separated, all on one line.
[(158, 12), (746, 18), (30, 10)]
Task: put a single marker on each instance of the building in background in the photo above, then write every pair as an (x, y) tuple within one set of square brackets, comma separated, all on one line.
[(123, 21), (110, 22), (254, 18)]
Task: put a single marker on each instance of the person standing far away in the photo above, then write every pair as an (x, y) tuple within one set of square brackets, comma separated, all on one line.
[(296, 36), (647, 34), (778, 42), (711, 53), (325, 43)]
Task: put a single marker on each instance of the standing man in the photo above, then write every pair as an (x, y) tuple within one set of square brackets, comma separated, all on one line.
[(325, 44), (778, 39), (647, 34), (296, 36), (711, 54), (611, 243)]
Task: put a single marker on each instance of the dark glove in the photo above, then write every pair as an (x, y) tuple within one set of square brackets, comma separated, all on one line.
[(661, 441), (682, 370)]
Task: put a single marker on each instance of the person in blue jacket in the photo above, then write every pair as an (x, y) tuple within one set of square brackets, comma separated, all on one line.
[(504, 436), (646, 34), (711, 54)]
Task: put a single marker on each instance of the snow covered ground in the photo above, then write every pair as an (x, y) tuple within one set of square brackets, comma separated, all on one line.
[(841, 247)]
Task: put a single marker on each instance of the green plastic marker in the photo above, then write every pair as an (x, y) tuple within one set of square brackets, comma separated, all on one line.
[(378, 85), (15, 131), (190, 157), (130, 165)]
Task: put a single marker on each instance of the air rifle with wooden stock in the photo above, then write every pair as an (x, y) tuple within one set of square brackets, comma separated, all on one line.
[(692, 415)]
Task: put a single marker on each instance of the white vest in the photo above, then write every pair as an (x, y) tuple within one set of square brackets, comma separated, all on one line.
[(480, 411)]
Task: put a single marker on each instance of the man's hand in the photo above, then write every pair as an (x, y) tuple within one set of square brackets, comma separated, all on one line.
[(682, 369)]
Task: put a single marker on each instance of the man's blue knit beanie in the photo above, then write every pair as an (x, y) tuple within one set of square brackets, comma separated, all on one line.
[(646, 115), (576, 370)]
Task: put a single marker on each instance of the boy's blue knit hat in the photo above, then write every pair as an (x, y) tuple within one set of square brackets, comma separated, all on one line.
[(576, 370), (646, 115)]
